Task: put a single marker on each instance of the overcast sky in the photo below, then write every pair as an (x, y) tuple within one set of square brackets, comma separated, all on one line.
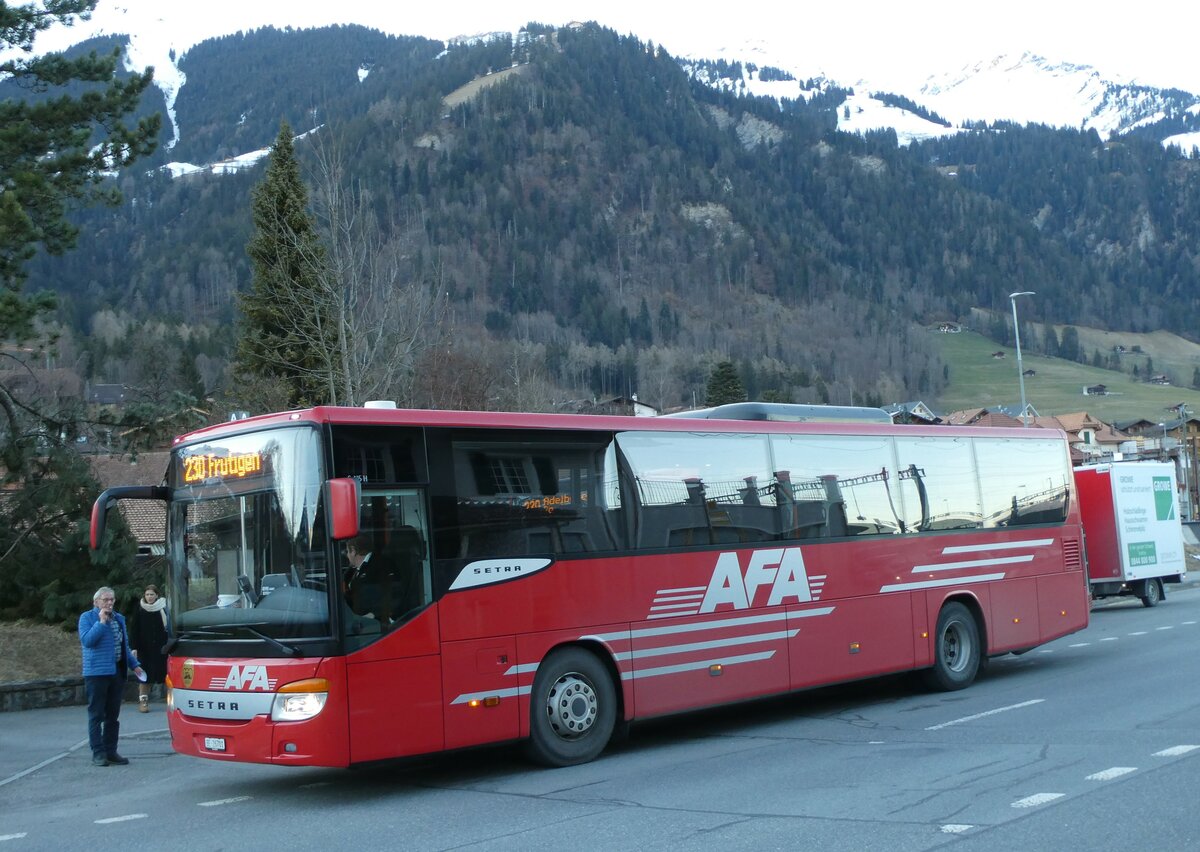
[(1153, 41)]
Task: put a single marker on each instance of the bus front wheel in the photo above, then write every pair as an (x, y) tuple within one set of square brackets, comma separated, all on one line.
[(573, 709), (956, 649)]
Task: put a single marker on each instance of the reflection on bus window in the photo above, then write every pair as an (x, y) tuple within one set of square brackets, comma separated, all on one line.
[(554, 498), (1025, 481), (946, 495), (839, 485), (696, 489)]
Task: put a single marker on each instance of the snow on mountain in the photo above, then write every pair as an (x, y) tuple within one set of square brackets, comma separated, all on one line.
[(873, 47)]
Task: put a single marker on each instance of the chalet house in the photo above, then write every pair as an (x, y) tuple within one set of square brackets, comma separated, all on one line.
[(911, 412), (1091, 439), (998, 354), (1095, 390), (1029, 373), (949, 328), (980, 417), (105, 394)]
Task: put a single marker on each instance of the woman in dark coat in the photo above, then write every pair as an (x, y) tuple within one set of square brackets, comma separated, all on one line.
[(148, 634)]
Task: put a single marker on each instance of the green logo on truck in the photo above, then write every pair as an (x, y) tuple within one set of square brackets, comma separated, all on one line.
[(1164, 500), (1142, 553)]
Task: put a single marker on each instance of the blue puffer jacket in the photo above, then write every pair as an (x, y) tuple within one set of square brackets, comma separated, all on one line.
[(96, 637)]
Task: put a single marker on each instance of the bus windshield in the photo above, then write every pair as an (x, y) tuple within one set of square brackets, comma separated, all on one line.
[(248, 550)]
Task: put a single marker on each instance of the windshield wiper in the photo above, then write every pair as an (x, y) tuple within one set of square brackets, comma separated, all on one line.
[(295, 651)]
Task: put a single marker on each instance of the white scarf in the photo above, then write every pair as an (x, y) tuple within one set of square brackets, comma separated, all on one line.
[(159, 606)]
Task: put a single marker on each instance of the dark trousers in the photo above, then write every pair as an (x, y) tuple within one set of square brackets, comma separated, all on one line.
[(104, 694)]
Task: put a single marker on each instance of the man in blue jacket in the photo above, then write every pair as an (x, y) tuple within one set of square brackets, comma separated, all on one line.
[(106, 658)]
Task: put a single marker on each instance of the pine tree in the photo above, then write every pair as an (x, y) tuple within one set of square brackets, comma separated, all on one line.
[(57, 148), (289, 325), (58, 144), (724, 385)]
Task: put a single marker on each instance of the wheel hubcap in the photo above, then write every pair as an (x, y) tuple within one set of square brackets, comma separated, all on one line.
[(956, 648), (571, 706)]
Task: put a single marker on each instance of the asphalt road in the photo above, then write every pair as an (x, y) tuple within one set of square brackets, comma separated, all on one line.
[(1089, 743)]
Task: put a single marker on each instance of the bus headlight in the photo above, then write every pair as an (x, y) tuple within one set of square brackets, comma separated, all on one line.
[(300, 700)]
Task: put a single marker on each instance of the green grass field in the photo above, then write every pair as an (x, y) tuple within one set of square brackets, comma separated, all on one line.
[(979, 380)]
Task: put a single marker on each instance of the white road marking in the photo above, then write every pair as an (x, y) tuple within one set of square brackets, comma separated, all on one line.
[(31, 769), (985, 713), (1079, 645), (1046, 651), (125, 818), (1166, 627), (1110, 774), (1175, 751), (4, 837), (1138, 633), (1109, 639), (956, 829), (1037, 799), (215, 802)]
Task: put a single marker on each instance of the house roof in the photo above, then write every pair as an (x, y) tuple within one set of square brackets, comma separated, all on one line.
[(146, 518), (980, 417), (1077, 421)]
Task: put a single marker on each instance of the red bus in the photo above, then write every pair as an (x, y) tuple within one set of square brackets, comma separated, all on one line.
[(355, 585)]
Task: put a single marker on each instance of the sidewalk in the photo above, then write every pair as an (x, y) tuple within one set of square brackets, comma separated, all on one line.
[(31, 739)]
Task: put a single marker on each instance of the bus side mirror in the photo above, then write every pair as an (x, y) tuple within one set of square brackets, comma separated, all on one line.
[(342, 499)]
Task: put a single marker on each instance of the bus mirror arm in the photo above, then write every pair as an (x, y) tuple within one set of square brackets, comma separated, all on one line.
[(125, 492)]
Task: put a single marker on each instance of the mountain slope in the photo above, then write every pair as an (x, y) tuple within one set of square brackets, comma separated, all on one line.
[(605, 209)]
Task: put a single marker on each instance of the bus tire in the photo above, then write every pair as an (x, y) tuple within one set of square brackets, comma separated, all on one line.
[(1152, 592), (956, 650), (572, 709)]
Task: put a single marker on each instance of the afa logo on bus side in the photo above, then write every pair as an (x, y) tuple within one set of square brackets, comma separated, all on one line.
[(780, 569)]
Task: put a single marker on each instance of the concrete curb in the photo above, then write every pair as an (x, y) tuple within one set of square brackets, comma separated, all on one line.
[(53, 692)]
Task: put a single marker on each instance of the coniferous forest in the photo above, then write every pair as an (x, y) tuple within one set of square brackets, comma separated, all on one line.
[(591, 220)]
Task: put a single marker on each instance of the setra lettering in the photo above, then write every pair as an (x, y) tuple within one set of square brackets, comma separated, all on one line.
[(499, 569), (201, 704)]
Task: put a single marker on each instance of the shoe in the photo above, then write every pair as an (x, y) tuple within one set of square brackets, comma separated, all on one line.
[(144, 704), (99, 760), (117, 759)]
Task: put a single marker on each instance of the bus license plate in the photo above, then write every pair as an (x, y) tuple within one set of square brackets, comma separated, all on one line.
[(214, 743)]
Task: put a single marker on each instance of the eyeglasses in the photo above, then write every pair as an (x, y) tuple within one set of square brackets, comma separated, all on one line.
[(102, 600)]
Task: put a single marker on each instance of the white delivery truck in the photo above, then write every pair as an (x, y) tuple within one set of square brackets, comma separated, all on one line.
[(1132, 529)]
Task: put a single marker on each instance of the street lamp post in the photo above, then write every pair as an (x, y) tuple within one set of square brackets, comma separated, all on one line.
[(1012, 297)]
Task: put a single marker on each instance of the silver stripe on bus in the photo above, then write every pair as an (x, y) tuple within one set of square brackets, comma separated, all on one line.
[(699, 596), (523, 668), (721, 624), (701, 664), (748, 639), (689, 589), (1003, 545), (973, 563), (660, 607), (933, 584)]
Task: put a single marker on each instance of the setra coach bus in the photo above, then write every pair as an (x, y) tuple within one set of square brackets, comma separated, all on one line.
[(351, 585)]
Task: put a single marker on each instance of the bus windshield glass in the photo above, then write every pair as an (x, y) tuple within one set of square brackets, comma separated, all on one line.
[(248, 550)]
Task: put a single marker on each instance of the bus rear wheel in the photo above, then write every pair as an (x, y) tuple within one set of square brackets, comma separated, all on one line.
[(573, 709), (956, 650)]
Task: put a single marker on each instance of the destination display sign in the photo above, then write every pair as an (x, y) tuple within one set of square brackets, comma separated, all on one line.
[(215, 468)]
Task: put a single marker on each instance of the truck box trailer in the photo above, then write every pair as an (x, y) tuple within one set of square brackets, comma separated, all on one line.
[(1132, 529)]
